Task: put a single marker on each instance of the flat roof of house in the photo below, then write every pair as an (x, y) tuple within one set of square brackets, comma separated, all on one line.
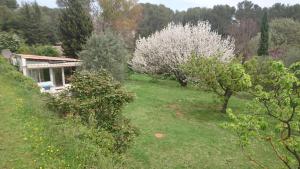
[(36, 57)]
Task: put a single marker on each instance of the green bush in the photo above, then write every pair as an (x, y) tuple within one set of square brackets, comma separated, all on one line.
[(39, 50), (9, 41), (95, 96), (46, 51), (105, 51), (25, 49)]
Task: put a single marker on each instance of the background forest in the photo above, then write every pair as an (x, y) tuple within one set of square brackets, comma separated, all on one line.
[(35, 25)]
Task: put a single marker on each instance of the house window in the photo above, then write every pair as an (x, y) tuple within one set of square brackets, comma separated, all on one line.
[(39, 75)]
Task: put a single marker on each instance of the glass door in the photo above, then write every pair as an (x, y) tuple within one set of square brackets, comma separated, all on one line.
[(58, 80)]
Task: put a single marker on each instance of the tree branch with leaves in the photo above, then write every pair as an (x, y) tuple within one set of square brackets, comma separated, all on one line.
[(274, 116)]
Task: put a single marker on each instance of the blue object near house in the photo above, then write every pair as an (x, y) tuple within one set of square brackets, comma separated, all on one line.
[(46, 85)]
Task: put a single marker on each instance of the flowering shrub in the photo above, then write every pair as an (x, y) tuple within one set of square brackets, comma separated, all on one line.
[(98, 99), (166, 50)]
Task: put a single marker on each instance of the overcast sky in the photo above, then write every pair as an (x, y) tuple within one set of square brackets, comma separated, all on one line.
[(185, 4)]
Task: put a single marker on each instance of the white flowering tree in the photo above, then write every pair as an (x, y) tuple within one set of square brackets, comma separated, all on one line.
[(165, 50)]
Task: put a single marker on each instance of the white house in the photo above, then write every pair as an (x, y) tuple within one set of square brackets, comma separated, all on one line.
[(51, 73)]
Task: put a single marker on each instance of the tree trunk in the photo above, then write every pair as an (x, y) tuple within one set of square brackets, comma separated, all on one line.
[(181, 78), (227, 96)]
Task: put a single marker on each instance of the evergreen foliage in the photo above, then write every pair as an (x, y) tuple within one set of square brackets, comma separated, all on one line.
[(155, 18), (11, 4), (264, 39), (31, 22), (106, 51), (75, 27)]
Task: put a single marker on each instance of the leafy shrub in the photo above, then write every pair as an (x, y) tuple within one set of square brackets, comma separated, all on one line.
[(105, 51), (39, 50), (46, 51), (25, 49), (9, 41), (95, 96)]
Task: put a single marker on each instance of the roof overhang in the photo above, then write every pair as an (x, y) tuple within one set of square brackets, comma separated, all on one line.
[(47, 58), (59, 65)]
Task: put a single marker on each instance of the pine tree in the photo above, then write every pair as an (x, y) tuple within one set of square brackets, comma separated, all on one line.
[(75, 27), (11, 4), (32, 26), (264, 39)]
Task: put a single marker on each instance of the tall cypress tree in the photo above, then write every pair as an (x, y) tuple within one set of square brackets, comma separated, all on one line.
[(75, 27), (264, 39)]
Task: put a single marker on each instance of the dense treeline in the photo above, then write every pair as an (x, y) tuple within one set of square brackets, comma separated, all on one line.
[(220, 16), (40, 25), (33, 23)]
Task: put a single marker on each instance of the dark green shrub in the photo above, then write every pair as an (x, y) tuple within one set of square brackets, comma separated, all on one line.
[(9, 41), (95, 96)]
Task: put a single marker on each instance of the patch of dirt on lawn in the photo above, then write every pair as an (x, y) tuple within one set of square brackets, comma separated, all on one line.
[(159, 135), (179, 114), (177, 109)]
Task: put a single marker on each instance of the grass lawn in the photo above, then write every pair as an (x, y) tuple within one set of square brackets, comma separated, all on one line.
[(180, 128)]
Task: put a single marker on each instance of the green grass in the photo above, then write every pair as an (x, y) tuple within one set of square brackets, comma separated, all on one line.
[(31, 136), (191, 123)]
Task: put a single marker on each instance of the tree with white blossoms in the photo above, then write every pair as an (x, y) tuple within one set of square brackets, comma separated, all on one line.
[(165, 50)]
